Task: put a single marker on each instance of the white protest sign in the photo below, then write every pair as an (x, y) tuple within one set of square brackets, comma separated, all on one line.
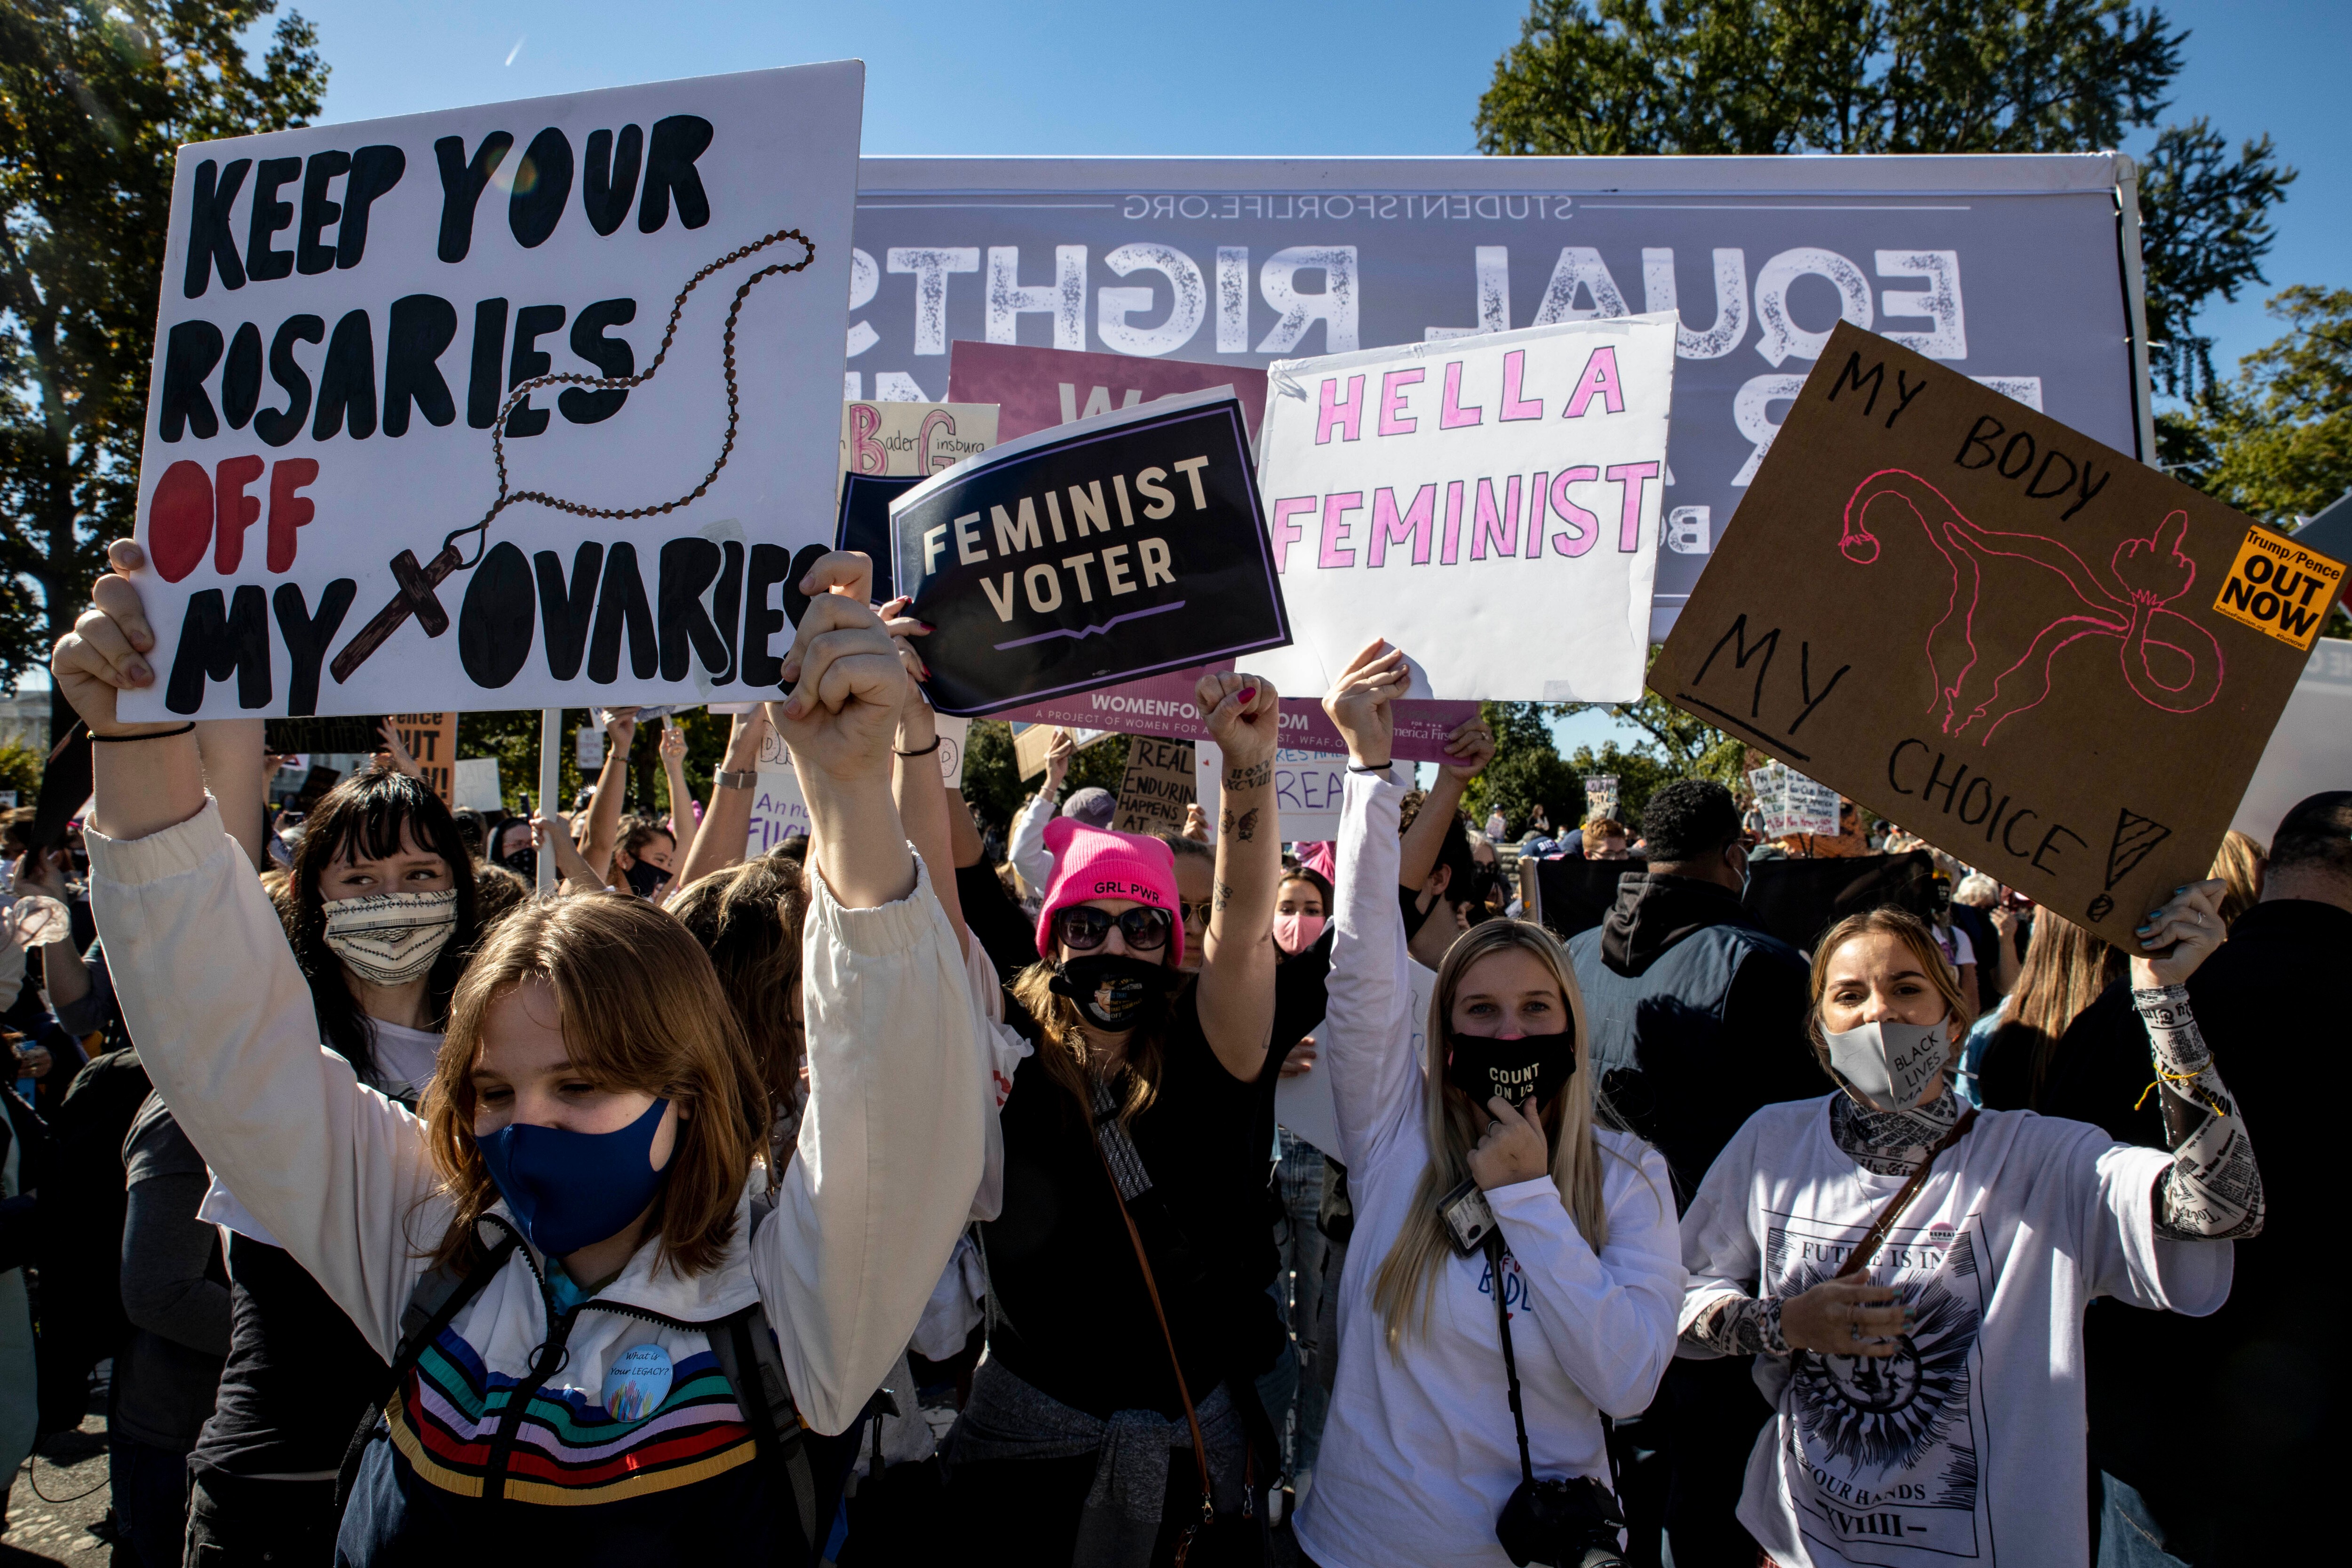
[(588, 748), (1809, 807), (1434, 493), (2311, 749), (476, 784), (778, 810), (1307, 786), (418, 377), (1770, 781), (1306, 1105)]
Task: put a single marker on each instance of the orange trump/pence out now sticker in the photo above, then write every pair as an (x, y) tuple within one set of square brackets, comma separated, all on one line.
[(2279, 588)]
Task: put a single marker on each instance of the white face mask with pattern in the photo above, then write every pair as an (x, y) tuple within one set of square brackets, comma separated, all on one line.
[(390, 938)]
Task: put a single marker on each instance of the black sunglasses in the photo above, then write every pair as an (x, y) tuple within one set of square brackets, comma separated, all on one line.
[(1084, 928)]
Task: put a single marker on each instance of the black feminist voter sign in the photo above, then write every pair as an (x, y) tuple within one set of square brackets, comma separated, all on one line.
[(1091, 553), (2034, 652), (521, 404)]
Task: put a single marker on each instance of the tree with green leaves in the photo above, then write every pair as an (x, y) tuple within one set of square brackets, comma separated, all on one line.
[(95, 100), (1905, 76), (1526, 772)]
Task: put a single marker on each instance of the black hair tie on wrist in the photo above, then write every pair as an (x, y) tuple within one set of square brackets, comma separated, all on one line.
[(1382, 768), (923, 752), (150, 735)]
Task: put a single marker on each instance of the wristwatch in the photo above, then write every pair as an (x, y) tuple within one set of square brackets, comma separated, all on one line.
[(743, 780)]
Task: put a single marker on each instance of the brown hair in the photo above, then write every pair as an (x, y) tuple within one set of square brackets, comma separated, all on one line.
[(1062, 1046), (1407, 1280), (2065, 969), (2240, 863), (636, 832), (640, 1009), (1913, 933), (747, 919)]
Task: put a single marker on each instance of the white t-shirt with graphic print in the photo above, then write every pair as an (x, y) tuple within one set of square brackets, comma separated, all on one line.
[(1966, 1446)]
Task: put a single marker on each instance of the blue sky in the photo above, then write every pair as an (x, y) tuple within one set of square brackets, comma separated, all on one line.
[(1375, 76)]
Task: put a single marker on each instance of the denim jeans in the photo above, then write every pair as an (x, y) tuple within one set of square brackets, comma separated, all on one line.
[(1298, 1291), (2128, 1537)]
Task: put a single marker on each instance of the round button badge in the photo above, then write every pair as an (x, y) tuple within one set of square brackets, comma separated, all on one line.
[(636, 1382)]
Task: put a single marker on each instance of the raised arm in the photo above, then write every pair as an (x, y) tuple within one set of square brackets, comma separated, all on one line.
[(1365, 1041), (719, 842), (2212, 1191), (890, 1146), (1237, 965), (210, 990), (682, 825), (611, 783)]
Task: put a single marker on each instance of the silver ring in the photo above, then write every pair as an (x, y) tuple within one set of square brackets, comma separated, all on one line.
[(1494, 1127)]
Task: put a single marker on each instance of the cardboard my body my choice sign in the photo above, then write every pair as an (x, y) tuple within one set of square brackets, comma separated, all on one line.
[(2042, 658), (1490, 505), (1089, 554), (527, 399)]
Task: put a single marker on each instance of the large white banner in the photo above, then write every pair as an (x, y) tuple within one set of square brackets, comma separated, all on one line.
[(520, 406), (1490, 505)]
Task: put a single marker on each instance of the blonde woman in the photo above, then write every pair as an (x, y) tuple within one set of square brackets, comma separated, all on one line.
[(1422, 1456), (1910, 1274)]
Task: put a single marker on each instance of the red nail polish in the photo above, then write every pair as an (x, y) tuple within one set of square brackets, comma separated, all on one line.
[(1249, 693)]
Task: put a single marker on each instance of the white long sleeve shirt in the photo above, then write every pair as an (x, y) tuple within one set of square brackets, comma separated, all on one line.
[(1419, 1455), (1028, 849)]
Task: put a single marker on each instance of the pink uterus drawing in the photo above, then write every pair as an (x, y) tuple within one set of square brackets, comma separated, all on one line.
[(1993, 655)]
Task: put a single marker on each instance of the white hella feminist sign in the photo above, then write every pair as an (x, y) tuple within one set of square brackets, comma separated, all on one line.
[(1413, 493)]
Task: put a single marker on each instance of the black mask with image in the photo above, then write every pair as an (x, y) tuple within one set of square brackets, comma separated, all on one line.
[(1482, 1066), (1114, 990), (646, 879)]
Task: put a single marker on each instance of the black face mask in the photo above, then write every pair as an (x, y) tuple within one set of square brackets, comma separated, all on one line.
[(523, 862), (1113, 990), (1414, 915), (1482, 1066), (646, 879)]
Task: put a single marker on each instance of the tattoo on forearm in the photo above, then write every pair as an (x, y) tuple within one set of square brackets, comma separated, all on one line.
[(1246, 829), (1225, 822), (1257, 776), (1224, 896)]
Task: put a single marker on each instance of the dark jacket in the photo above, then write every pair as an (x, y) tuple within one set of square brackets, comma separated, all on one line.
[(1697, 1017), (2273, 1004)]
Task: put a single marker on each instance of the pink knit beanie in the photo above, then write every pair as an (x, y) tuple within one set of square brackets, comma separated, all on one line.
[(1103, 863)]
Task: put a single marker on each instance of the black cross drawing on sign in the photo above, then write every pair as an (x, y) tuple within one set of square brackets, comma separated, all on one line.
[(415, 597)]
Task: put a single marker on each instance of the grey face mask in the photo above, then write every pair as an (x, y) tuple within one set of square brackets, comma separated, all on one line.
[(1890, 1063), (390, 938)]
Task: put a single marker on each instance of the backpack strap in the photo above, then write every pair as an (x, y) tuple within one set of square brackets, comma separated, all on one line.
[(433, 1306), (754, 1368)]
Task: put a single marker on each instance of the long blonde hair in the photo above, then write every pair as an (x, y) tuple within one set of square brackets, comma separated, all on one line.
[(1407, 1282)]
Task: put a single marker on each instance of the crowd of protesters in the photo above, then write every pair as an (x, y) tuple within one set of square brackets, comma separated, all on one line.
[(890, 1197)]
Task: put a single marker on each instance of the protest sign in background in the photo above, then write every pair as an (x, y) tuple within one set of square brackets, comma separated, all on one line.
[(1991, 629), (1599, 795), (1308, 787), (2311, 748), (1035, 388), (1162, 705), (1807, 807), (432, 742), (2010, 268), (1087, 554), (887, 448), (475, 784), (1490, 505), (1156, 788), (527, 399), (347, 732)]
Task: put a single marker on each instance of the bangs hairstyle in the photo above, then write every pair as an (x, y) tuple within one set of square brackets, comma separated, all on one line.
[(1913, 933), (372, 816), (640, 1009), (1407, 1282), (748, 918)]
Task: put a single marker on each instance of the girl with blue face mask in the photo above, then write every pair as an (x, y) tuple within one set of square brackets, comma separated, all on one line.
[(608, 1342)]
